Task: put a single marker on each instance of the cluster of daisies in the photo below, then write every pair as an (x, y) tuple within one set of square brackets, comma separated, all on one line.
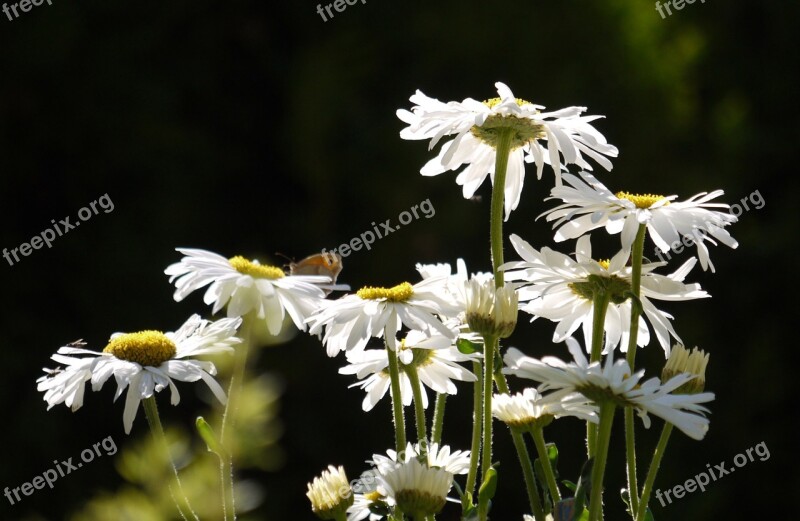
[(440, 332)]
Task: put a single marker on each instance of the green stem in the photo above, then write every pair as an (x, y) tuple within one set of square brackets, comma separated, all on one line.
[(600, 307), (237, 377), (636, 283), (229, 416), (524, 457), (630, 459), (438, 418), (153, 419), (397, 401), (488, 387), (477, 424), (226, 478), (498, 191), (658, 454), (419, 410), (607, 410), (541, 448), (630, 433)]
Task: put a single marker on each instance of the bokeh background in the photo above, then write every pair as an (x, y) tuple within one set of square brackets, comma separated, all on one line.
[(256, 128)]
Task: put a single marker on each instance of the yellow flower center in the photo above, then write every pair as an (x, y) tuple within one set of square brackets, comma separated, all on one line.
[(493, 102), (151, 348), (246, 267), (641, 200), (604, 263), (373, 496), (399, 293)]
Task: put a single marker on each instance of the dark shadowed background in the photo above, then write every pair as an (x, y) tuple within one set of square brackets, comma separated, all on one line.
[(256, 128)]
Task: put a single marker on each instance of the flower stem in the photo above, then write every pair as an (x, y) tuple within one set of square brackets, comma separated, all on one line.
[(498, 192), (488, 380), (419, 410), (630, 434), (600, 305), (237, 378), (607, 410), (438, 418), (153, 419), (477, 424), (397, 401), (524, 457), (658, 454), (541, 448), (229, 416), (636, 284)]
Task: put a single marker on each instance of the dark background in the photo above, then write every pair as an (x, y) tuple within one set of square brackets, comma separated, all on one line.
[(256, 128)]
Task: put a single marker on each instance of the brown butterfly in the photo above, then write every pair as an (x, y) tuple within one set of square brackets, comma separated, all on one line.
[(328, 264)]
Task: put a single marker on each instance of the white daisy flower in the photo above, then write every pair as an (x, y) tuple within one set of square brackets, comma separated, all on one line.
[(145, 363), (491, 310), (349, 322), (436, 456), (561, 289), (475, 125), (531, 408), (368, 501), (614, 381), (365, 505), (330, 494), (246, 286), (588, 204), (455, 286), (417, 489), (435, 358)]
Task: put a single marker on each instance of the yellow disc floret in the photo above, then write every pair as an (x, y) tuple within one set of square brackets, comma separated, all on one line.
[(399, 293), (246, 267), (151, 348), (604, 263), (493, 102), (641, 200)]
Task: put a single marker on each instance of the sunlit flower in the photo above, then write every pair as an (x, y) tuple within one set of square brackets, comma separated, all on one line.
[(349, 322), (417, 489), (531, 409), (491, 311), (477, 127), (691, 361), (615, 381), (246, 286), (145, 363), (435, 455), (330, 494), (562, 289), (436, 360), (588, 204)]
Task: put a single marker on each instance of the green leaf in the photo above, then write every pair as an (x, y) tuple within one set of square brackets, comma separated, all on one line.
[(466, 347), (207, 433), (486, 491)]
